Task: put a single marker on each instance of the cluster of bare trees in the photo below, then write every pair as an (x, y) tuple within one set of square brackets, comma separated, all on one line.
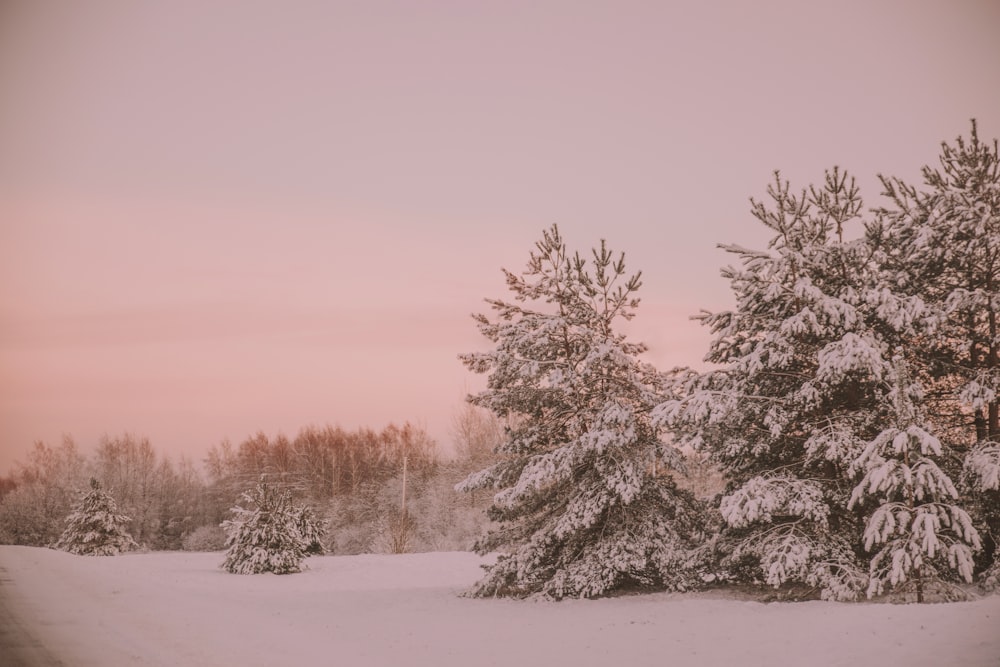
[(385, 490), (322, 463), (40, 493), (163, 499), (416, 508)]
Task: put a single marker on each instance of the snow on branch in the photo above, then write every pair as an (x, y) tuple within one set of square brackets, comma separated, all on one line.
[(762, 499), (982, 466)]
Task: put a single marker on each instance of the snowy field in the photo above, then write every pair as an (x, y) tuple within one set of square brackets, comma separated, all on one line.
[(180, 609)]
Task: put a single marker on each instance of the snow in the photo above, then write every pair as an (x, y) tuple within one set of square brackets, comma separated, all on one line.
[(179, 608)]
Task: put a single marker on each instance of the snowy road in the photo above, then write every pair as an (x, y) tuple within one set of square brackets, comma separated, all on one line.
[(181, 609), (20, 645)]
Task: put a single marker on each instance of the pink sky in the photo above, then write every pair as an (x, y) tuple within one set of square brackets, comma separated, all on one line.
[(224, 217)]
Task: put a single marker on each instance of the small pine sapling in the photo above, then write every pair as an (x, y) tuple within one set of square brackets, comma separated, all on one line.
[(916, 529), (982, 476), (311, 530), (264, 536), (95, 528)]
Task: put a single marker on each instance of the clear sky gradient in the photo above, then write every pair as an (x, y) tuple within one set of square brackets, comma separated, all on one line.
[(219, 217)]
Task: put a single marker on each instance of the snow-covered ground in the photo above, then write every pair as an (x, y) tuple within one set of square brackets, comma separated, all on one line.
[(181, 609)]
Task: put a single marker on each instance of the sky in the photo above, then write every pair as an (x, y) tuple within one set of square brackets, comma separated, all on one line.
[(225, 217)]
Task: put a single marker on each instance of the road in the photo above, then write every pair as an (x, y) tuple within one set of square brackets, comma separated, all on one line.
[(20, 643)]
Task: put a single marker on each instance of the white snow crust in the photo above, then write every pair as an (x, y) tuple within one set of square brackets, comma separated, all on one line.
[(179, 608)]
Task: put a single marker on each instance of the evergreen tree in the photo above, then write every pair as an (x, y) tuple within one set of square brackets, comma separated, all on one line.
[(264, 536), (982, 475), (947, 251), (919, 529), (95, 528), (311, 530), (583, 502), (795, 393), (795, 413), (944, 246)]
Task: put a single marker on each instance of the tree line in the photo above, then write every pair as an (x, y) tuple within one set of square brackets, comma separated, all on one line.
[(351, 479)]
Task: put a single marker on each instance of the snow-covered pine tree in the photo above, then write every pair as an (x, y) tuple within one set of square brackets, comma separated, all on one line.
[(264, 536), (584, 503), (95, 528), (945, 241), (794, 394), (311, 530), (916, 529), (982, 476)]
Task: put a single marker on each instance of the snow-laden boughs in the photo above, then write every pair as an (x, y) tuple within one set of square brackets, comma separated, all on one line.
[(945, 242), (916, 529), (762, 498), (584, 500), (982, 466), (269, 533), (797, 545), (95, 528), (982, 479), (849, 356), (311, 529), (794, 392), (942, 244)]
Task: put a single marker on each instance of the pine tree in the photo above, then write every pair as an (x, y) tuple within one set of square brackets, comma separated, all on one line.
[(795, 391), (945, 248), (311, 530), (807, 377), (95, 528), (916, 525), (948, 252), (982, 475), (264, 536), (584, 504)]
